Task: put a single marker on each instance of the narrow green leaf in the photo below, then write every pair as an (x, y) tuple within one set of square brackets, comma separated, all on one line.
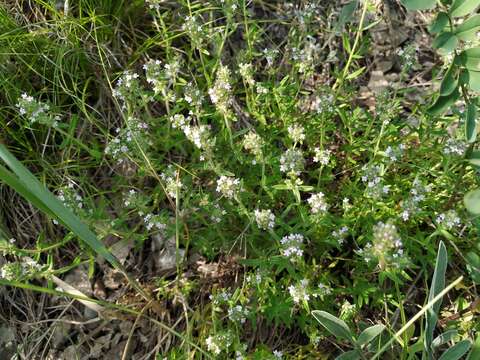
[(471, 122), (443, 103), (350, 355), (449, 82), (456, 351), (439, 23), (472, 201), (438, 284), (333, 324), (419, 4), (468, 29), (355, 74), (369, 334), (444, 338), (55, 207), (463, 7), (446, 42)]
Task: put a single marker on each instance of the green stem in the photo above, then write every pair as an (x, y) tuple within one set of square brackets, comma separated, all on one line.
[(416, 317)]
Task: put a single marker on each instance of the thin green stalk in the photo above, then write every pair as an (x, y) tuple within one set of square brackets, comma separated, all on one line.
[(341, 79), (417, 316)]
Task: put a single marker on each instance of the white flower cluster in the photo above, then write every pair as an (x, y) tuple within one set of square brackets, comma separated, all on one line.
[(412, 205), (455, 147), (340, 234), (408, 56), (127, 139), (449, 220), (173, 185), (300, 292), (159, 77), (238, 314), (193, 27), (246, 71), (130, 198), (322, 156), (179, 121), (265, 219), (228, 186), (36, 111), (153, 222), (70, 198), (292, 246), (221, 92), (154, 4), (261, 89), (270, 55), (199, 135), (372, 176), (323, 289), (217, 213), (127, 86), (395, 153), (221, 298), (292, 162), (253, 143), (218, 343), (317, 203), (192, 95), (256, 278), (277, 354), (229, 6), (322, 104), (386, 247), (19, 270), (296, 133), (304, 56)]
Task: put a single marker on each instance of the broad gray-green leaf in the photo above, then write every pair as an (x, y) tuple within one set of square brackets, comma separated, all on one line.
[(472, 201), (469, 58), (419, 4), (469, 28), (471, 122), (369, 334), (474, 158), (456, 351), (463, 7), (439, 23), (333, 324), (350, 355), (449, 82), (443, 103), (475, 353), (438, 284), (446, 42), (444, 338), (346, 13), (474, 80)]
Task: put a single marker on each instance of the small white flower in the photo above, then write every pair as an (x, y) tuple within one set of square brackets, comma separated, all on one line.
[(228, 186), (292, 162), (278, 354), (299, 292), (292, 246), (296, 133), (322, 156), (317, 203), (265, 219)]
